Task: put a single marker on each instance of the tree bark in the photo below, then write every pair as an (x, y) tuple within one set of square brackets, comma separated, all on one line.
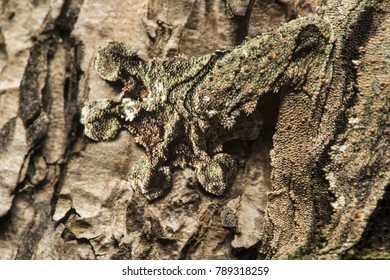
[(314, 184)]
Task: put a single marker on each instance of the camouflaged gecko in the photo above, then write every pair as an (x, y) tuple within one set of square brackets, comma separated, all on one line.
[(183, 110)]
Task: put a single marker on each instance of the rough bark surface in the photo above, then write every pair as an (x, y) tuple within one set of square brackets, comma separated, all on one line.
[(314, 184)]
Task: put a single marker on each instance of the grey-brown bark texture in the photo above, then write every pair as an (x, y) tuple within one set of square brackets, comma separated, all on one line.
[(314, 184)]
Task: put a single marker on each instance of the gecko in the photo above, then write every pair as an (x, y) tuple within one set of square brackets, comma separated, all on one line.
[(183, 110)]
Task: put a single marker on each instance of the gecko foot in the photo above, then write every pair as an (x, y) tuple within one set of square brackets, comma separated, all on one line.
[(217, 174), (100, 120), (150, 182)]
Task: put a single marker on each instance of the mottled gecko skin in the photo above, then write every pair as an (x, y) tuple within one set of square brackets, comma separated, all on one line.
[(183, 110)]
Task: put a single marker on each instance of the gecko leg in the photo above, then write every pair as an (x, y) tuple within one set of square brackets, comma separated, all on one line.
[(217, 174), (152, 182)]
